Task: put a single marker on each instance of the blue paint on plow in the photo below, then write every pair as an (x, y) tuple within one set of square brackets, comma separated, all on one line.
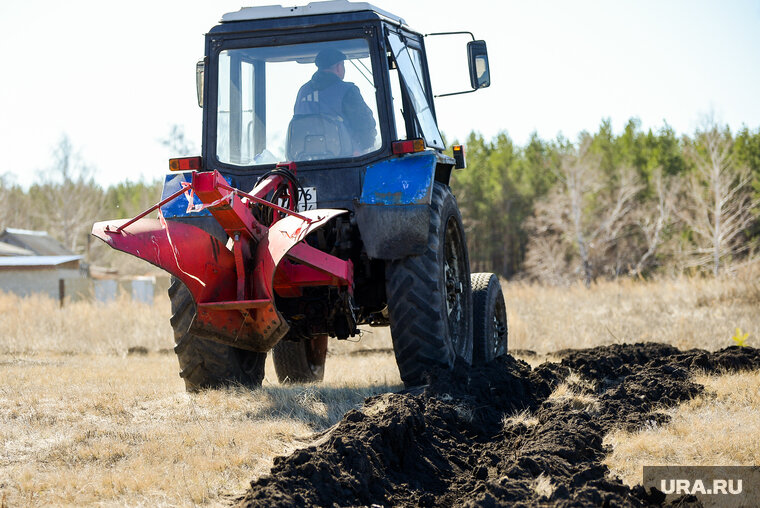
[(405, 180), (178, 207)]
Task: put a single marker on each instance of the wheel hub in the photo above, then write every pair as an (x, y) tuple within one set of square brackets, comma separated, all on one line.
[(454, 273), (499, 331)]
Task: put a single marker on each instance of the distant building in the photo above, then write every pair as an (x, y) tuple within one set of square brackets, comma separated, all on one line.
[(39, 243), (7, 249), (34, 262), (25, 275)]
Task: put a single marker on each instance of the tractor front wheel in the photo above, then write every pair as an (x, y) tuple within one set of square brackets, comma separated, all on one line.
[(429, 296), (204, 363), (489, 318)]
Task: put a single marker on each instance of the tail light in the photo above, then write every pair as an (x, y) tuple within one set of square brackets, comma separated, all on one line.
[(408, 146), (186, 164)]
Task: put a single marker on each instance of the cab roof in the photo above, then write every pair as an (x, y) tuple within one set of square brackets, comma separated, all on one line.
[(312, 8)]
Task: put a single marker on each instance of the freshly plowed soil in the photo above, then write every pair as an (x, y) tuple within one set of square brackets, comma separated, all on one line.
[(449, 443)]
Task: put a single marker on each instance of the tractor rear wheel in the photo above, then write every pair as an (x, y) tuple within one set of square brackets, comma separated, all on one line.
[(300, 361), (429, 296), (489, 322), (204, 363)]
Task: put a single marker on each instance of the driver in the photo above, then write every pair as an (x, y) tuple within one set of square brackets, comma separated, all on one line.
[(327, 93)]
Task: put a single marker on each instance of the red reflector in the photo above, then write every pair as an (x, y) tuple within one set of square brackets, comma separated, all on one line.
[(185, 164), (408, 146)]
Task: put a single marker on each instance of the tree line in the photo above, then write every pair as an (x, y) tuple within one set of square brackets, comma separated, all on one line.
[(604, 205), (610, 205)]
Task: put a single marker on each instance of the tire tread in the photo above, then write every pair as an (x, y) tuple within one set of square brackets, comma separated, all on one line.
[(415, 303), (204, 363)]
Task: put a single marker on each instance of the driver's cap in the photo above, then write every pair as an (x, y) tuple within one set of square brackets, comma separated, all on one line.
[(328, 57)]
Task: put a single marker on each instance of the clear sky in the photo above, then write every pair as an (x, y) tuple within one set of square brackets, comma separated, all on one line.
[(114, 76)]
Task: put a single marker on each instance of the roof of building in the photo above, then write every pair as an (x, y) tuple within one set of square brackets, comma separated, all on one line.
[(35, 261), (20, 231), (312, 8), (7, 249), (38, 242)]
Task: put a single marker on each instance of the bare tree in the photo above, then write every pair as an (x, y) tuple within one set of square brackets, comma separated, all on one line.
[(67, 200), (588, 218), (578, 172), (177, 142), (613, 215), (14, 206), (718, 202), (598, 215), (547, 258), (652, 221)]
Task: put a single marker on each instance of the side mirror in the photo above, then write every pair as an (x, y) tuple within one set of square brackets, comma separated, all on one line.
[(477, 58), (200, 69)]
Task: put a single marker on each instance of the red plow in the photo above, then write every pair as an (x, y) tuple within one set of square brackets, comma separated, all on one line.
[(234, 284)]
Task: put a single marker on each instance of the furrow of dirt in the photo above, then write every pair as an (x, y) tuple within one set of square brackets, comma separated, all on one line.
[(494, 435)]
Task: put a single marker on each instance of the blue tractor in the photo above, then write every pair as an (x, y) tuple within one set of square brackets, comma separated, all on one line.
[(320, 203)]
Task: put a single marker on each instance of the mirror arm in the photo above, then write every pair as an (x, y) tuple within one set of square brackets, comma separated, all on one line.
[(454, 33), (455, 93), (451, 33)]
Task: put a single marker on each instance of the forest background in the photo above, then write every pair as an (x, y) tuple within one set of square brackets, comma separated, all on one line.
[(606, 205)]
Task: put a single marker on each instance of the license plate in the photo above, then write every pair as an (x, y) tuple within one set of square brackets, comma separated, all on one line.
[(306, 201)]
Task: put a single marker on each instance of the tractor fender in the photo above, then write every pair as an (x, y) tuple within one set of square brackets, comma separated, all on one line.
[(393, 212)]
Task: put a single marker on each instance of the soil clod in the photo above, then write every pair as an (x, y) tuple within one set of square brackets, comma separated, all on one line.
[(498, 434)]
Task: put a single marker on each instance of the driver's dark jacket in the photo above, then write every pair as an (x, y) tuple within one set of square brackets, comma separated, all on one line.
[(327, 94)]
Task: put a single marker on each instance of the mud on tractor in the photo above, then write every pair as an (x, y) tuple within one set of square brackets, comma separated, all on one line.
[(320, 203)]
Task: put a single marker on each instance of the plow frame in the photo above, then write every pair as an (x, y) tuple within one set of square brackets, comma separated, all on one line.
[(234, 285)]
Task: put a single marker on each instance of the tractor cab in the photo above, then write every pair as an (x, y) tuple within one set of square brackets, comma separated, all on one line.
[(320, 202), (269, 94)]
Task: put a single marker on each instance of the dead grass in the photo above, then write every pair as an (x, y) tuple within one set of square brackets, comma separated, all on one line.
[(721, 427), (566, 393), (84, 422), (688, 313), (37, 324), (87, 429), (520, 418), (543, 486)]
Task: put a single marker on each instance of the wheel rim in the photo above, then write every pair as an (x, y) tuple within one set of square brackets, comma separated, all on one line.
[(498, 330), (454, 280)]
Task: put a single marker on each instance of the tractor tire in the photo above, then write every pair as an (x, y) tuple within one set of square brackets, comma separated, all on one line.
[(429, 297), (204, 363), (300, 361), (489, 319)]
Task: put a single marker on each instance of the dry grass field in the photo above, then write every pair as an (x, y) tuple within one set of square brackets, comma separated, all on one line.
[(92, 410), (721, 427), (684, 312)]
